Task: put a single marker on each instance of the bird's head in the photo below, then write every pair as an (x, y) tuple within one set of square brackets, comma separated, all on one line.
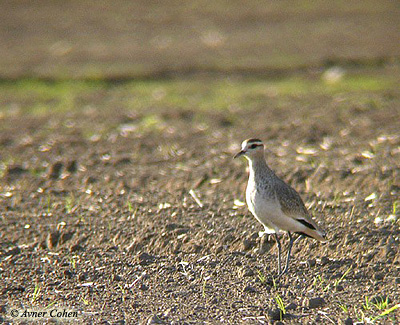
[(251, 148)]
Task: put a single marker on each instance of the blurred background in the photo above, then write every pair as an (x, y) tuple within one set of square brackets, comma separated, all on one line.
[(154, 39)]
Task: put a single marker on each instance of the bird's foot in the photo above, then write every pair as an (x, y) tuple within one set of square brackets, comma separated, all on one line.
[(280, 273)]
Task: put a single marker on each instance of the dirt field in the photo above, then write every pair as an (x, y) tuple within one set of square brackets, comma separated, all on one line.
[(152, 39), (96, 210), (98, 215)]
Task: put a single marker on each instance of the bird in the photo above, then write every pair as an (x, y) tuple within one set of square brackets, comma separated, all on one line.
[(275, 204)]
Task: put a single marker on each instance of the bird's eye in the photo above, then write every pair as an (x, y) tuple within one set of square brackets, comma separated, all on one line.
[(253, 146)]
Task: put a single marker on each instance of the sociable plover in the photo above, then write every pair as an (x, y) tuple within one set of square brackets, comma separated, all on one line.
[(275, 204)]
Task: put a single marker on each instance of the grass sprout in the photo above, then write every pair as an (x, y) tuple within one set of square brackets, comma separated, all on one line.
[(367, 305), (281, 306), (262, 277), (132, 210), (387, 312), (36, 293), (359, 315), (274, 283), (72, 261), (344, 308), (396, 207), (337, 282), (50, 304), (381, 304), (203, 291), (123, 291), (319, 282), (130, 207), (86, 302), (69, 203)]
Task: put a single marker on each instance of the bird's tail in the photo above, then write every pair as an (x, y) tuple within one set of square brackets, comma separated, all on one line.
[(311, 230), (318, 235)]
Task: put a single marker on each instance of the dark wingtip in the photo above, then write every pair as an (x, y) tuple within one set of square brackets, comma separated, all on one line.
[(307, 224)]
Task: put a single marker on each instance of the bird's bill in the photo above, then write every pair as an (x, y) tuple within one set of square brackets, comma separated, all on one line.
[(240, 153)]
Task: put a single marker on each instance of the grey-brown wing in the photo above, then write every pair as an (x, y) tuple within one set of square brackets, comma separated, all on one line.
[(290, 200), (292, 204)]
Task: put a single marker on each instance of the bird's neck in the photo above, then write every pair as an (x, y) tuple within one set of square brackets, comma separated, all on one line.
[(258, 167)]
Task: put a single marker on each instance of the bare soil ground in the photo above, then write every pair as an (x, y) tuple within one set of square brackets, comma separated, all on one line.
[(125, 39), (97, 212)]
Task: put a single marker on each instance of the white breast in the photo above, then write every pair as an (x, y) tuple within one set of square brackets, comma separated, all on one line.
[(266, 209)]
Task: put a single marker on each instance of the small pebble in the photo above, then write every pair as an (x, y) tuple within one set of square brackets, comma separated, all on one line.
[(324, 260), (214, 301), (13, 251), (75, 248), (246, 271), (249, 289), (311, 262), (169, 311), (388, 250), (15, 171), (339, 288), (68, 274), (52, 239), (196, 248), (55, 170), (228, 239), (275, 314), (348, 321), (379, 276), (65, 236), (349, 239), (119, 322), (155, 320), (146, 259), (248, 244), (72, 166), (143, 287), (219, 249), (315, 302)]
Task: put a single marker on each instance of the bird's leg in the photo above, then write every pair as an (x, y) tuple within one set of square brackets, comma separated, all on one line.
[(288, 254), (279, 253)]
